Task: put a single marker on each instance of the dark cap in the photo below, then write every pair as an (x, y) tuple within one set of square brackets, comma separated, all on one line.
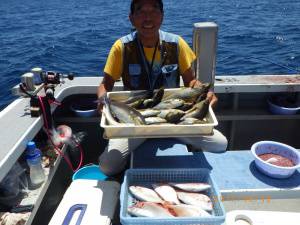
[(133, 2)]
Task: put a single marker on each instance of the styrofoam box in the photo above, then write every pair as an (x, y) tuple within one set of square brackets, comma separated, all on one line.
[(156, 131), (146, 177)]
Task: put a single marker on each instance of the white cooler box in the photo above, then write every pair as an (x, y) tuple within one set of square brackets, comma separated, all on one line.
[(87, 202)]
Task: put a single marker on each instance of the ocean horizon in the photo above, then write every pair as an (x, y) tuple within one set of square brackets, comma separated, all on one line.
[(255, 37)]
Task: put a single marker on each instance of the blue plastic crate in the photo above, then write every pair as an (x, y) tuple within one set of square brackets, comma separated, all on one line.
[(146, 177)]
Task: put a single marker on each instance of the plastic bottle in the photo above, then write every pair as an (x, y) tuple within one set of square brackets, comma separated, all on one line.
[(34, 161)]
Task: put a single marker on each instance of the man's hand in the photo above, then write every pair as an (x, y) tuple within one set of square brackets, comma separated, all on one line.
[(195, 83), (106, 85), (100, 106), (212, 98), (210, 95)]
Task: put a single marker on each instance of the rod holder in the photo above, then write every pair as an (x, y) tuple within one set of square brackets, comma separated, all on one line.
[(205, 46)]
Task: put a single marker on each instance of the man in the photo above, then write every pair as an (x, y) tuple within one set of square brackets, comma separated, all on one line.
[(148, 59)]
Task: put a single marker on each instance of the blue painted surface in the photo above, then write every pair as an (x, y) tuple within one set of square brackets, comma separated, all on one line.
[(161, 153), (236, 170), (231, 170)]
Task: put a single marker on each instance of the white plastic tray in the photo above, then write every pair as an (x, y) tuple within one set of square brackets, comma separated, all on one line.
[(156, 131)]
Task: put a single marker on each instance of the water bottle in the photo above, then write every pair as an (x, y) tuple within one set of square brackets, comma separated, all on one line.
[(34, 161)]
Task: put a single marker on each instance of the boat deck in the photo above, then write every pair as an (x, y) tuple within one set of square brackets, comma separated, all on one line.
[(14, 142), (245, 181), (18, 127)]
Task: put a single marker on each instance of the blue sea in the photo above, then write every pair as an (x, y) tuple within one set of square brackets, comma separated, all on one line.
[(255, 37)]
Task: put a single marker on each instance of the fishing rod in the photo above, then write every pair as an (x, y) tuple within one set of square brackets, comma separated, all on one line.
[(40, 105)]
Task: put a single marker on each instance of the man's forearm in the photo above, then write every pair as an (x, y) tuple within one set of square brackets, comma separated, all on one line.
[(101, 90), (106, 85)]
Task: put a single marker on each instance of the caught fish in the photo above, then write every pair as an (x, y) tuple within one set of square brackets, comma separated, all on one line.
[(199, 110), (148, 209), (149, 112), (189, 94), (145, 194), (192, 187), (150, 99), (169, 104), (159, 107), (125, 114), (201, 97), (155, 120), (171, 115), (107, 112), (196, 199), (147, 103), (183, 210), (186, 106), (135, 96), (157, 97), (136, 104), (166, 192)]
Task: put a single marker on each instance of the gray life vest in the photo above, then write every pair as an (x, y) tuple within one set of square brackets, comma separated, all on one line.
[(136, 74)]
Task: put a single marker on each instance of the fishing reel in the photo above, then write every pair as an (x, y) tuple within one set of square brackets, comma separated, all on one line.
[(32, 82), (50, 79), (36, 80)]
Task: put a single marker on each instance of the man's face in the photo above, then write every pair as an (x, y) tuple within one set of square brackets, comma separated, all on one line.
[(147, 18)]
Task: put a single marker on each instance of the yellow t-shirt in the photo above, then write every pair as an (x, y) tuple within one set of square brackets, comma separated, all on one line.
[(114, 63)]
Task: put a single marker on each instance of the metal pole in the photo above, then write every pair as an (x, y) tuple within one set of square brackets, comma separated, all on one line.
[(205, 47)]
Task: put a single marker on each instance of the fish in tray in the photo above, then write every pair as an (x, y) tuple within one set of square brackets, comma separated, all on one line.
[(122, 112), (196, 199), (149, 112), (189, 94), (183, 210), (185, 106), (153, 116), (191, 187), (149, 209), (145, 99), (155, 120), (166, 192), (171, 115), (166, 200), (135, 96), (145, 194), (170, 104), (199, 110)]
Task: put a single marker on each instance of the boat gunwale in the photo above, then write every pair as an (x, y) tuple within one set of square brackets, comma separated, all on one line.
[(14, 143)]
